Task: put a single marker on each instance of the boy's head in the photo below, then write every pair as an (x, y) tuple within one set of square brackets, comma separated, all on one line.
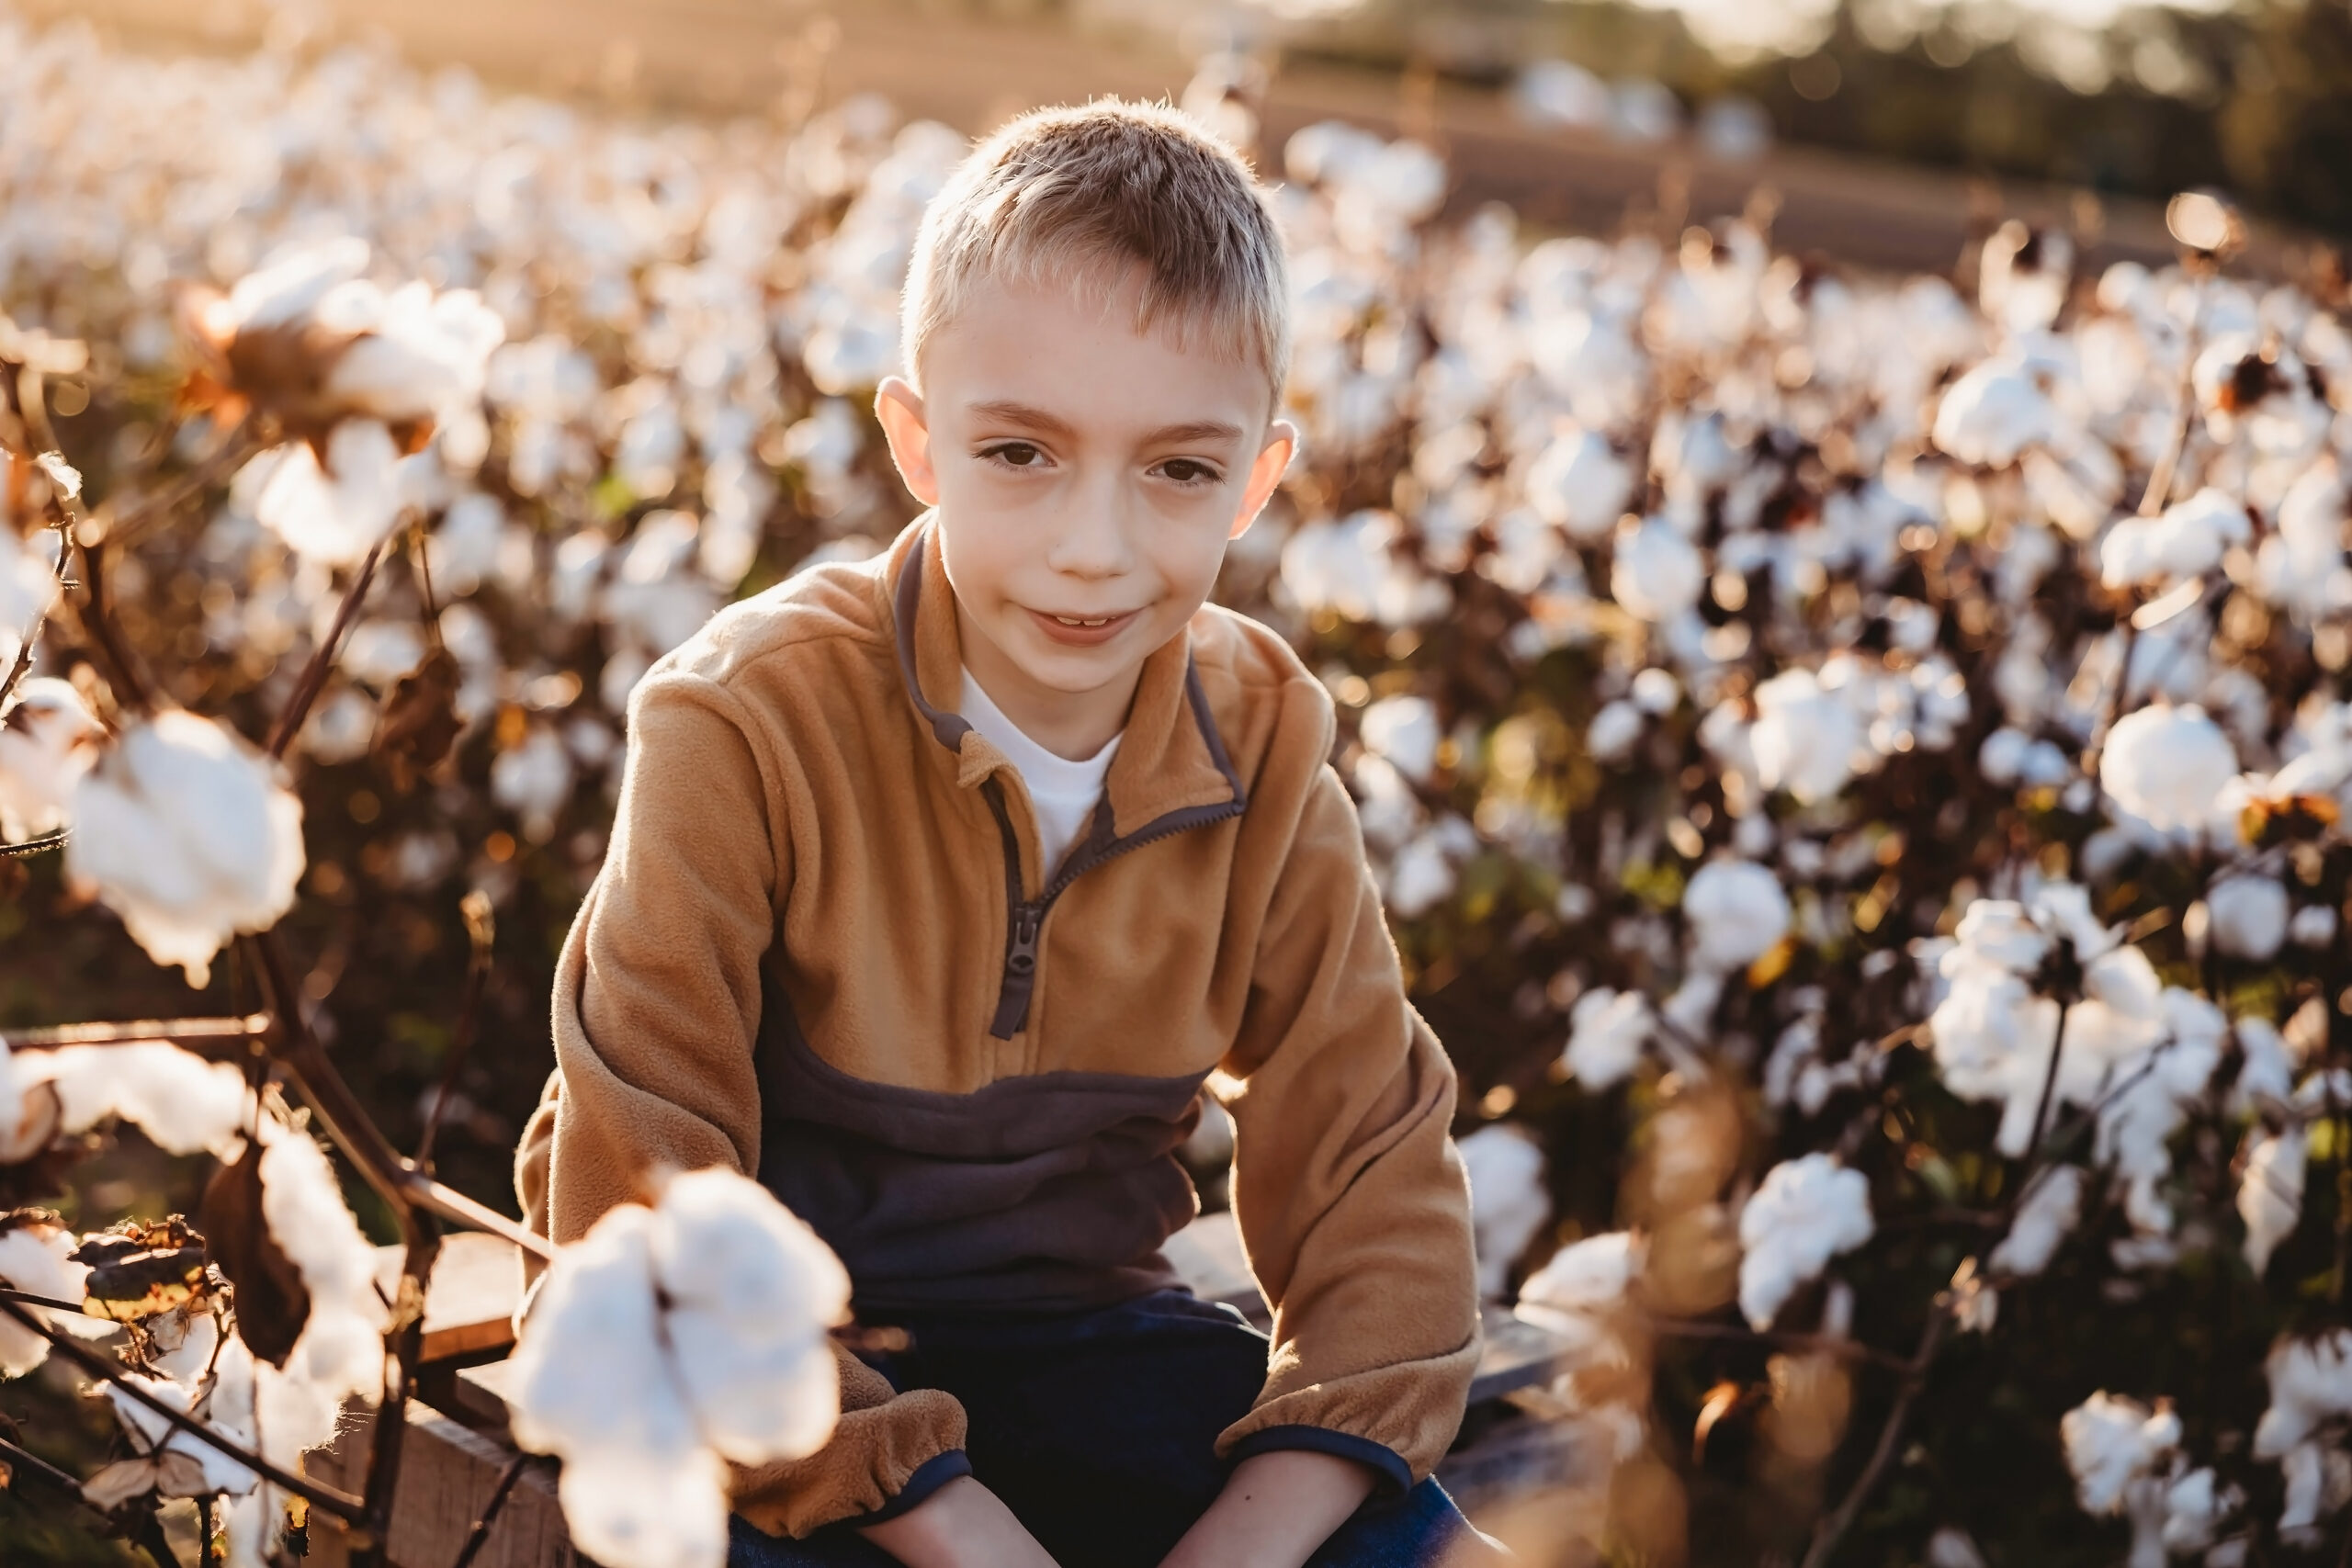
[(1096, 333)]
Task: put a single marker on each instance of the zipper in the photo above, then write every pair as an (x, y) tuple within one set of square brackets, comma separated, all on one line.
[(1025, 925)]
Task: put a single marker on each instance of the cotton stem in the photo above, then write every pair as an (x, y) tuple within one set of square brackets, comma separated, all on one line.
[(317, 1493)]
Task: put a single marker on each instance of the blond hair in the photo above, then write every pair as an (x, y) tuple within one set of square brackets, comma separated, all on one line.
[(1079, 197)]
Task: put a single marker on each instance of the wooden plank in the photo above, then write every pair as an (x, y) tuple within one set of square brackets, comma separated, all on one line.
[(481, 1396), (447, 1472), (469, 1303)]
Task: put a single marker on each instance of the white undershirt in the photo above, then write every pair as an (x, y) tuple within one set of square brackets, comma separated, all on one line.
[(1063, 791)]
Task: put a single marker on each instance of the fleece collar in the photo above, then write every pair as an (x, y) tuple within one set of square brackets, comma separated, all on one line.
[(1172, 758)]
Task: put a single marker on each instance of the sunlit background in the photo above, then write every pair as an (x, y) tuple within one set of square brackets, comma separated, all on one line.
[(1724, 425), (1567, 105)]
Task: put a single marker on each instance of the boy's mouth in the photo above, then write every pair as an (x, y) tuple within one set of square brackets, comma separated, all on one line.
[(1080, 631)]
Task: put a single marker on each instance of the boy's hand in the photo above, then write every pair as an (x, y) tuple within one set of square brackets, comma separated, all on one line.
[(1277, 1508), (962, 1525)]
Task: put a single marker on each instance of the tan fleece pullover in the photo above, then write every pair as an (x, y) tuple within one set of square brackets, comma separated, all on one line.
[(822, 951)]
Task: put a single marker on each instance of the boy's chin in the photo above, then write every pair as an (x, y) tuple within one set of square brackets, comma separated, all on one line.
[(1075, 674)]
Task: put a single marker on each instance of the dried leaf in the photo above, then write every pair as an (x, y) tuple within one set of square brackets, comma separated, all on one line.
[(140, 1270), (419, 721), (272, 1301), (172, 1473)]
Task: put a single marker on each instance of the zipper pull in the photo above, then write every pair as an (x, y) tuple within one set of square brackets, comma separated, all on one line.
[(1019, 971)]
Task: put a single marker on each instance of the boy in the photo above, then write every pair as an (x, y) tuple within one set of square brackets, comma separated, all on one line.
[(939, 884)]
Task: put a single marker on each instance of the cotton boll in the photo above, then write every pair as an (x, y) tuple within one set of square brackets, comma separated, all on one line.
[(2319, 1482), (1389, 810), (33, 1259), (425, 355), (1688, 1013), (1656, 691), (1804, 737), (29, 1115), (1593, 363), (1607, 1032), (1580, 485), (2113, 1441), (2002, 758), (185, 831), (49, 740), (1655, 574), (1993, 1040), (1404, 731), (1999, 931), (2296, 566), (1692, 453), (2195, 1507), (2166, 765), (2313, 926), (2188, 541), (1508, 1203), (657, 598), (1586, 1276), (184, 1103), (2053, 1205), (1736, 913), (463, 551), (2270, 1194), (534, 781), (1951, 1547), (1421, 876), (2267, 1070), (1336, 565), (2310, 1385), (2248, 916), (335, 513), (647, 1510), (753, 1291), (340, 1351), (1807, 1211), (663, 1339), (1611, 735), (341, 726), (1993, 414), (593, 1385)]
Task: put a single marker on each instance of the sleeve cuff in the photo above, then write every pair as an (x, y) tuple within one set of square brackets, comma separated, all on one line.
[(1396, 1477), (929, 1477)]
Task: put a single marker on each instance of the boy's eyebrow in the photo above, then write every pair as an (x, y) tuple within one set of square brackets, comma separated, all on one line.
[(1006, 411), (1192, 430)]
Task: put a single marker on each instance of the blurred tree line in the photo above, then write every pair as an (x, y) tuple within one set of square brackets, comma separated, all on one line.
[(2256, 100)]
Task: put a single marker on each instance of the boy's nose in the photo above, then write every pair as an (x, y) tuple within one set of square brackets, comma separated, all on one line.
[(1092, 539)]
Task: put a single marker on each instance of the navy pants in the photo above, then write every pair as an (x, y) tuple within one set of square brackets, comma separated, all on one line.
[(1097, 1429)]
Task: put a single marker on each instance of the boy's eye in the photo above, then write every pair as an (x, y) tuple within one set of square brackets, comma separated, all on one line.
[(1015, 455), (1185, 471)]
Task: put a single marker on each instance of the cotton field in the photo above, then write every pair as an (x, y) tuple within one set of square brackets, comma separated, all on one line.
[(1857, 766)]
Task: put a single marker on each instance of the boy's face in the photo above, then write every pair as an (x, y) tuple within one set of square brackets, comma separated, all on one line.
[(1088, 477)]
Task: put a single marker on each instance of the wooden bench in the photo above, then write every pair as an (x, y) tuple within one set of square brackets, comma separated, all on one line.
[(458, 1447)]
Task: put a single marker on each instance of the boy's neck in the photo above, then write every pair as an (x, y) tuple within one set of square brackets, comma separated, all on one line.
[(1071, 725)]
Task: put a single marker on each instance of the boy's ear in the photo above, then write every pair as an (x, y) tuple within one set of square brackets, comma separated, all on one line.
[(1273, 461), (900, 408)]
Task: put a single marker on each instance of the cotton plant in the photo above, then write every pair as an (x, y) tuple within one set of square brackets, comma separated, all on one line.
[(1584, 1293), (2310, 1398), (1806, 1211), (1656, 575), (185, 831), (705, 1317), (1508, 1204)]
